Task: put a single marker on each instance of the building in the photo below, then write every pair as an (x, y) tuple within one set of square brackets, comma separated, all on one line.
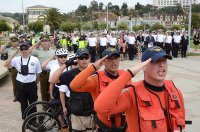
[(165, 3), (10, 21), (35, 12)]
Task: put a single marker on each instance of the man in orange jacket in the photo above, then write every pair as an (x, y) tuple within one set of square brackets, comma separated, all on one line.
[(151, 105), (96, 83)]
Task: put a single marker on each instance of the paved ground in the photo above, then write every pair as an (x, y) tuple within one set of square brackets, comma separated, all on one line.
[(184, 72)]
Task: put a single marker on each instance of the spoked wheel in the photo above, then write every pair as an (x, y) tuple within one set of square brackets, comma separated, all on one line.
[(40, 106), (41, 122)]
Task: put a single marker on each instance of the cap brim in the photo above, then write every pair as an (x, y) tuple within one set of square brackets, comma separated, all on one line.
[(111, 54), (82, 54), (161, 55)]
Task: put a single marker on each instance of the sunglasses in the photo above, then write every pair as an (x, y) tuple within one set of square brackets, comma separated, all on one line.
[(62, 56), (44, 40), (24, 48), (83, 57), (14, 41), (75, 63)]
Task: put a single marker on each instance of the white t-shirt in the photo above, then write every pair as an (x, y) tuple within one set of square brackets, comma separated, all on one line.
[(168, 39), (103, 41), (64, 89), (74, 40), (112, 41), (177, 38), (160, 38), (92, 41), (33, 67), (53, 65), (131, 40)]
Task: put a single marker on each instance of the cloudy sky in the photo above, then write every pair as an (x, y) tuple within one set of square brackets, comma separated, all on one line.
[(64, 5)]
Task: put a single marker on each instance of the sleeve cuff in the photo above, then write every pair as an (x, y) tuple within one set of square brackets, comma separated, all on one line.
[(131, 73)]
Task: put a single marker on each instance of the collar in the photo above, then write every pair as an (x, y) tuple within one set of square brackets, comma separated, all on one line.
[(110, 75), (153, 88)]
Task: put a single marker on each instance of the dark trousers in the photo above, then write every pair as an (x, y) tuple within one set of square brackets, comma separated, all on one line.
[(175, 50), (13, 74), (27, 94), (102, 48), (167, 48), (183, 50), (44, 85), (75, 47), (92, 51), (160, 44), (131, 51)]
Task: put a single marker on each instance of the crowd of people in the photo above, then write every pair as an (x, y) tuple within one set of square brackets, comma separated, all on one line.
[(107, 100)]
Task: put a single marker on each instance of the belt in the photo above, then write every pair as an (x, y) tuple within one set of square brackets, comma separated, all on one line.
[(28, 82)]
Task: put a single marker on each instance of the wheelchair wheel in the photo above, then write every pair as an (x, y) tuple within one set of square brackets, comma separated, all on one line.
[(40, 106), (41, 122)]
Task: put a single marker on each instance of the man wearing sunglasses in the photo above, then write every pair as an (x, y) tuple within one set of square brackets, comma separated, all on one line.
[(28, 68), (96, 83), (81, 103), (43, 52), (8, 51)]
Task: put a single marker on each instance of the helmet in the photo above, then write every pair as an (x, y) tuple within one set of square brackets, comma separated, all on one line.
[(71, 56), (62, 51)]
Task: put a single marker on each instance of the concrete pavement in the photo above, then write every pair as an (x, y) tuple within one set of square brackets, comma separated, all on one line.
[(185, 72)]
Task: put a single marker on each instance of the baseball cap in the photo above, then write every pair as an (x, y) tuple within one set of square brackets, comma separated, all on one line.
[(155, 53), (110, 51), (82, 51), (44, 37), (23, 44), (14, 39)]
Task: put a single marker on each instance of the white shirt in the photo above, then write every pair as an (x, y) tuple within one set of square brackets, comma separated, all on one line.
[(177, 38), (131, 40), (64, 89), (168, 39), (33, 67), (74, 39), (103, 41), (160, 38), (53, 65), (112, 41), (92, 41)]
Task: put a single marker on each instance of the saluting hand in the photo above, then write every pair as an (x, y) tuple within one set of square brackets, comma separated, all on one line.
[(99, 63), (140, 66)]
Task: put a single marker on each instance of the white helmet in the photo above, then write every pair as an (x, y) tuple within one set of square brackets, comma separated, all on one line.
[(62, 51), (71, 56)]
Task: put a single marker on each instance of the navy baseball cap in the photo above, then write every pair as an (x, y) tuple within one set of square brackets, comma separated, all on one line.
[(82, 51), (155, 53), (110, 51)]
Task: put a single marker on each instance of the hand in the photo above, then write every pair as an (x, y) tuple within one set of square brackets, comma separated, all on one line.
[(65, 111), (70, 61), (140, 66), (99, 63)]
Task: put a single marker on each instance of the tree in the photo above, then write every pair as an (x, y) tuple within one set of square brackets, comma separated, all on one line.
[(195, 21), (177, 27), (81, 10), (4, 26), (122, 26), (36, 26), (101, 6), (196, 8), (53, 18), (115, 9), (158, 26), (87, 26), (95, 25), (138, 6), (94, 6), (102, 25), (67, 26), (124, 9)]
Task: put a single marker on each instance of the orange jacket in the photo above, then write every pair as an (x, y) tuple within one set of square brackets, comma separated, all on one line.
[(142, 108), (95, 84)]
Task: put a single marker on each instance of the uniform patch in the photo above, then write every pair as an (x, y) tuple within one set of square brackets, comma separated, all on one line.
[(32, 63)]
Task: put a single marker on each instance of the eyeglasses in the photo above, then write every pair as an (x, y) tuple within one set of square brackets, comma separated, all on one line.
[(24, 48), (83, 57), (62, 56)]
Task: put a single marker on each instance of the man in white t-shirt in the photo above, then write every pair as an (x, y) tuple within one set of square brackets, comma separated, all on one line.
[(28, 68), (103, 40), (112, 41), (92, 43)]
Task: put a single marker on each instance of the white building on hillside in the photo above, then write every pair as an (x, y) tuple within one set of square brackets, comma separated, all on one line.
[(34, 12), (165, 3)]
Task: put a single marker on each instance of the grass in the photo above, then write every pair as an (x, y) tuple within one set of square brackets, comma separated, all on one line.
[(192, 45)]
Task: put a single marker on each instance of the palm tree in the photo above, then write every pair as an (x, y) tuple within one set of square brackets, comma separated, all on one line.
[(53, 18)]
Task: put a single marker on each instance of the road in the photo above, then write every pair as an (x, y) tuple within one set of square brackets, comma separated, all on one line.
[(184, 72)]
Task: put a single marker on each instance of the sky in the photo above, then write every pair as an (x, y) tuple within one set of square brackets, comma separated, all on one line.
[(64, 6)]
